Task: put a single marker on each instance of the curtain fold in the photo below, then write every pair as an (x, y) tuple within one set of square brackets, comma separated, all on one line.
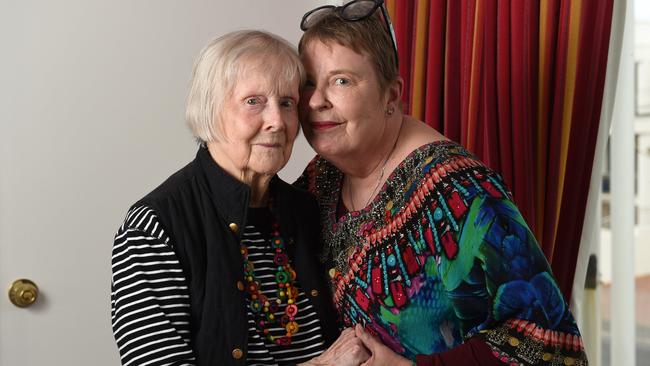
[(520, 84)]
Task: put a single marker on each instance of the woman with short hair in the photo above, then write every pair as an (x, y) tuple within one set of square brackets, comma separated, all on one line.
[(217, 266), (427, 250)]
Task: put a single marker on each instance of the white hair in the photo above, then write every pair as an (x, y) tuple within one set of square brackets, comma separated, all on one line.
[(222, 61)]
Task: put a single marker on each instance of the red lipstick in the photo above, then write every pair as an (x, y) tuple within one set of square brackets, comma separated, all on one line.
[(323, 125)]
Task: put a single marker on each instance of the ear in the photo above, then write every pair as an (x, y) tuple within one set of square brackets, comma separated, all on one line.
[(394, 92)]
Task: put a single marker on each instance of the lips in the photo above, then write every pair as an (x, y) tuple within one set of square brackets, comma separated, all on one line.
[(324, 125)]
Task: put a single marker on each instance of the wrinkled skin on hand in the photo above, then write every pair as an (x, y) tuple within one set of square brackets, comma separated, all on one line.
[(347, 350), (380, 354)]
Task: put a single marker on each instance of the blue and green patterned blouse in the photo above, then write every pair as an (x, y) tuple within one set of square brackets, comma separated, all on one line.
[(442, 254)]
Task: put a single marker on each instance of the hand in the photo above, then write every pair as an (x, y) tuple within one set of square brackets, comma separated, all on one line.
[(347, 350), (381, 355)]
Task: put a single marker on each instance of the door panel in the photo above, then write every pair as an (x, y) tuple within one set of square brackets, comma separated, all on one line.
[(91, 118)]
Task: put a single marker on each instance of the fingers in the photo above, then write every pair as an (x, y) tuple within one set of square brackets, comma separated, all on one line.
[(368, 340), (358, 353), (346, 350), (345, 338)]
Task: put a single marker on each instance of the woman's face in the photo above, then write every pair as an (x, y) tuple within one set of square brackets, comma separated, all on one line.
[(342, 107), (259, 123)]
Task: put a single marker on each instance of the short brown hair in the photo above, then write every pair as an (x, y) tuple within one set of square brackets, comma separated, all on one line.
[(367, 36)]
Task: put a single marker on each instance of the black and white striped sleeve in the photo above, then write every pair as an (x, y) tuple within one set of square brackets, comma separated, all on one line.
[(149, 296)]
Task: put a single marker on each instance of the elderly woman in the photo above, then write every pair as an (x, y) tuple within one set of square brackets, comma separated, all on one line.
[(428, 254), (217, 265)]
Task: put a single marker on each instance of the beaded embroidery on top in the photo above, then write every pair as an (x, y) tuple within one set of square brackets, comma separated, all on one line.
[(344, 235), (442, 254)]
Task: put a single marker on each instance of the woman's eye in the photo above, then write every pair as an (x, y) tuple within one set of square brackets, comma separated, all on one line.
[(287, 103), (341, 81), (253, 101)]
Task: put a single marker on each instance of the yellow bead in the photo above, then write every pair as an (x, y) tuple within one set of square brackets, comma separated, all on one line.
[(290, 301)]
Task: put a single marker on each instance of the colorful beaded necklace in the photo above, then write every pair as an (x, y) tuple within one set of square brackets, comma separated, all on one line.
[(264, 308)]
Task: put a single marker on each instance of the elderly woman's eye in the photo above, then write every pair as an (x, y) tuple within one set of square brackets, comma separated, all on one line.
[(253, 101), (287, 103)]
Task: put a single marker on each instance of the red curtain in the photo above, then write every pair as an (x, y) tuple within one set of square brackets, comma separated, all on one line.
[(520, 84)]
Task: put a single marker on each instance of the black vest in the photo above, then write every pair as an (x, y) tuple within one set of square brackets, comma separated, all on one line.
[(203, 211)]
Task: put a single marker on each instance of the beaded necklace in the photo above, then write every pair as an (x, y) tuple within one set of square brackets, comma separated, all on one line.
[(263, 308)]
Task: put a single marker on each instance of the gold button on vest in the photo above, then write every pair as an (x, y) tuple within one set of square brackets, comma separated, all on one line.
[(314, 292), (240, 285), (233, 227), (237, 354)]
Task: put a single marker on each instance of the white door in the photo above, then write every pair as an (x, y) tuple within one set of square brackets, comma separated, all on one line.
[(91, 118)]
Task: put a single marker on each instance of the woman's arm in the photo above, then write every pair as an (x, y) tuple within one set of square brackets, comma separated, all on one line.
[(500, 286), (149, 296), (474, 352), (506, 292)]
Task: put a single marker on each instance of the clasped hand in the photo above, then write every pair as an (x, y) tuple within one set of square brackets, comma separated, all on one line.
[(356, 347)]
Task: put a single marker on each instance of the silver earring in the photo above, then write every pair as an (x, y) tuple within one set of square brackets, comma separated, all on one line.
[(390, 110)]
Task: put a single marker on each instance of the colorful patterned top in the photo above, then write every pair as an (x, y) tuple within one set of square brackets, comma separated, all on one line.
[(441, 255)]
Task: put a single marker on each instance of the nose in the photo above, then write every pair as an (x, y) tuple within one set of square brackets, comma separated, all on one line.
[(317, 99), (274, 118)]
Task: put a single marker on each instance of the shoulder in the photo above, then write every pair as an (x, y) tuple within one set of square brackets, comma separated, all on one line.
[(451, 167), (141, 244), (176, 182), (141, 224), (320, 178)]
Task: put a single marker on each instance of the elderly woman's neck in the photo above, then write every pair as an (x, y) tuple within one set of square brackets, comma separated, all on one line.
[(259, 192)]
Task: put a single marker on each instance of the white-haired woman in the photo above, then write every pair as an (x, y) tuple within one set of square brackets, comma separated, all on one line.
[(217, 265)]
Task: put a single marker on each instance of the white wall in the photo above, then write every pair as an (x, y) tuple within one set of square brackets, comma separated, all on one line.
[(91, 118)]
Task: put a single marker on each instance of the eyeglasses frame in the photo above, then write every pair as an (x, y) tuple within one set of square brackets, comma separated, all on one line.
[(340, 9)]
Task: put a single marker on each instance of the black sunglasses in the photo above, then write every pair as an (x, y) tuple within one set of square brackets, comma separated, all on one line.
[(352, 11)]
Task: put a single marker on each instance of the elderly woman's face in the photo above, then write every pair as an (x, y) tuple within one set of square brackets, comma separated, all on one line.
[(259, 123), (342, 105)]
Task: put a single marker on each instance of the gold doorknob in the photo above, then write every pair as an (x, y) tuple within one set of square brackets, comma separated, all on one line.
[(23, 293)]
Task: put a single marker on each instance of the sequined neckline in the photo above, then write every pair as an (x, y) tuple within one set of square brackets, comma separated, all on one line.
[(398, 171), (352, 227)]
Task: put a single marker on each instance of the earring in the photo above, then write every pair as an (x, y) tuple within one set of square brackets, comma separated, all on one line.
[(390, 110)]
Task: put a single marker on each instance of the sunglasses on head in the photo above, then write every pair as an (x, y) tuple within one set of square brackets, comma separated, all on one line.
[(352, 11)]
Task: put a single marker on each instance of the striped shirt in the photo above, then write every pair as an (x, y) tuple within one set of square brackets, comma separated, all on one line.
[(150, 304), (305, 344)]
